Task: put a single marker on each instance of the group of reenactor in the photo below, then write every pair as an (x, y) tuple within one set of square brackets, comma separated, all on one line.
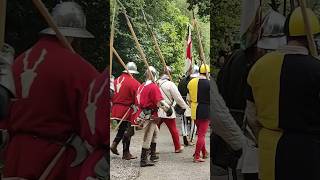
[(154, 102)]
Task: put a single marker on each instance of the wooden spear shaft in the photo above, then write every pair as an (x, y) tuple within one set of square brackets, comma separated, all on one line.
[(3, 7), (202, 56), (307, 25), (112, 38), (44, 12), (121, 61), (155, 41), (142, 55)]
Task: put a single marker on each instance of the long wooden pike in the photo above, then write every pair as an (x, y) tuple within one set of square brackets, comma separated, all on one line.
[(112, 37), (155, 41), (142, 55), (46, 15), (121, 61), (202, 56), (122, 119), (3, 7), (307, 25)]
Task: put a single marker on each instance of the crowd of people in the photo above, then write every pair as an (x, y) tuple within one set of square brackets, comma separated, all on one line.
[(265, 101), (156, 101)]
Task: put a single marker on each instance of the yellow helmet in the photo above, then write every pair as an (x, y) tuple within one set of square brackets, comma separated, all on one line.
[(294, 25), (204, 68)]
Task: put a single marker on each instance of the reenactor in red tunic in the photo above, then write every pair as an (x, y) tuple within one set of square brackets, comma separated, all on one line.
[(148, 101), (125, 88), (50, 83)]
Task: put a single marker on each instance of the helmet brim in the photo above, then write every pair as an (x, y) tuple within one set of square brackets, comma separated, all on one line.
[(69, 32), (272, 43), (131, 71)]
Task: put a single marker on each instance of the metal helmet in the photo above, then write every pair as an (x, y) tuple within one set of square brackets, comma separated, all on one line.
[(195, 71), (167, 69), (70, 19), (272, 31), (132, 67), (154, 72)]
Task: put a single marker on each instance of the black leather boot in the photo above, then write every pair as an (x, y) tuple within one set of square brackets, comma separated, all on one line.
[(144, 162), (153, 156), (113, 148), (126, 152)]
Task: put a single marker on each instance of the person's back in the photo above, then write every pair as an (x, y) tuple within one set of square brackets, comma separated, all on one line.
[(199, 91), (232, 80), (124, 95), (50, 84), (49, 80), (183, 86), (125, 89)]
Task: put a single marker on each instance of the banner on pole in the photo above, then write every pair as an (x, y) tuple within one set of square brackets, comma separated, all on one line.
[(188, 61)]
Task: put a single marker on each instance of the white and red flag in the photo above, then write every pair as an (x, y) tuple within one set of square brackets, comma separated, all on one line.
[(188, 62)]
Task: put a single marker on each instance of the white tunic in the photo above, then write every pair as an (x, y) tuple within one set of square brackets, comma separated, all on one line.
[(171, 95)]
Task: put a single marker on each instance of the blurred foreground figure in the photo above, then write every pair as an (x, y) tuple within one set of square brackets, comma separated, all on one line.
[(95, 128), (51, 83), (233, 88), (283, 106), (7, 88)]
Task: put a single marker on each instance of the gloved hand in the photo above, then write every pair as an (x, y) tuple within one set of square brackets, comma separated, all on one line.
[(179, 110), (169, 112)]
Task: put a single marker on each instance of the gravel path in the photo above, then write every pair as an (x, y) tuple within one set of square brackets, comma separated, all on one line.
[(171, 166)]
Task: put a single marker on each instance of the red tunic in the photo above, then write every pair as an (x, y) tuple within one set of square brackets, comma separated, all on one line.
[(148, 96), (124, 96), (50, 83), (95, 129)]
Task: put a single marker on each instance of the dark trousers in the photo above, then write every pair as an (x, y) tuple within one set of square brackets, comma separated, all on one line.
[(125, 132)]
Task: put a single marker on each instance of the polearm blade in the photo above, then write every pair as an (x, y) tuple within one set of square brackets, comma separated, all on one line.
[(112, 37), (155, 41), (307, 25), (142, 55), (3, 7), (46, 15)]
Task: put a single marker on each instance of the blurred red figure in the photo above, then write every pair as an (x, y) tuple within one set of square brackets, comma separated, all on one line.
[(50, 84), (95, 128)]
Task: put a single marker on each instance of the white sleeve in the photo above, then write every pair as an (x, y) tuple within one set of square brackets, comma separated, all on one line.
[(177, 96), (222, 122)]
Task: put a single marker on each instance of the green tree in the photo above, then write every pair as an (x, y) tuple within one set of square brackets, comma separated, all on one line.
[(169, 20)]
